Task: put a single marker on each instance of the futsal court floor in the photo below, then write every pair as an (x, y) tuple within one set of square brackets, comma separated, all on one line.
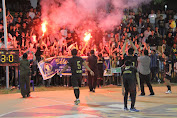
[(106, 102)]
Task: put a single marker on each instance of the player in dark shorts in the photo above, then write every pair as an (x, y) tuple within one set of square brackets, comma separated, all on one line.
[(100, 62), (92, 63), (168, 70), (129, 76), (76, 63), (132, 55)]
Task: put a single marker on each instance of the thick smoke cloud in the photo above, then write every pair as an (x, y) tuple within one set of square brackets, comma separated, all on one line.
[(88, 13)]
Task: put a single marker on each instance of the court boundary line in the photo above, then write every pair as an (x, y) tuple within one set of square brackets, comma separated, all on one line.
[(64, 103)]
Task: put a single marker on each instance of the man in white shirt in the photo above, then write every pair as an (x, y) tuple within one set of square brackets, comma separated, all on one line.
[(152, 18), (31, 13), (64, 32), (146, 34)]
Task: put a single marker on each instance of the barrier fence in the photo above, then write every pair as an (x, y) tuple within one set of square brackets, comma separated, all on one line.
[(49, 68)]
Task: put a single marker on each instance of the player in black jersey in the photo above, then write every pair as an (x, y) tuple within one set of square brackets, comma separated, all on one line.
[(132, 53), (129, 76), (76, 63), (168, 70), (100, 62), (92, 63)]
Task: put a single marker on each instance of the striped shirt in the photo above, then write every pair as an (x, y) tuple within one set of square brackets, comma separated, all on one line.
[(154, 60)]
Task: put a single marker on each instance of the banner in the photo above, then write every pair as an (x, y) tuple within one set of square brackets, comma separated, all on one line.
[(116, 70), (55, 64)]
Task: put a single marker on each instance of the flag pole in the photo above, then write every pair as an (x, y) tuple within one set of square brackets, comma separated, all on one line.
[(5, 40)]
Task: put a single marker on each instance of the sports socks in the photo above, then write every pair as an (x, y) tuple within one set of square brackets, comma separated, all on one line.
[(76, 92), (169, 87)]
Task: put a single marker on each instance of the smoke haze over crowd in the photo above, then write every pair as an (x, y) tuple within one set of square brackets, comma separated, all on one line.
[(91, 13)]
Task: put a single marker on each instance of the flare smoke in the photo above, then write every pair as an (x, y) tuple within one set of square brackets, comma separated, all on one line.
[(86, 13)]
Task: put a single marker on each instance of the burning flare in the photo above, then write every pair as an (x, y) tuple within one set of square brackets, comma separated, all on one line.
[(44, 29), (87, 36)]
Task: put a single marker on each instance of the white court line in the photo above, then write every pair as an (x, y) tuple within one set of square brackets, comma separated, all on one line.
[(64, 103), (1, 115), (32, 107)]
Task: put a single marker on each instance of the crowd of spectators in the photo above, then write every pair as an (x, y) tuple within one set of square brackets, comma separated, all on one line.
[(155, 31)]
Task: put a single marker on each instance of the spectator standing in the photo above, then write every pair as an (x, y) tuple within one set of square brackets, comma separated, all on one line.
[(101, 62), (154, 65), (92, 62), (152, 18), (174, 52), (15, 18), (114, 64), (9, 17), (146, 34), (24, 75), (158, 17), (31, 13), (175, 38), (140, 26), (38, 59), (64, 32), (148, 24), (152, 40), (168, 70), (69, 39), (138, 17), (134, 32), (45, 56), (161, 24), (144, 72), (169, 42)]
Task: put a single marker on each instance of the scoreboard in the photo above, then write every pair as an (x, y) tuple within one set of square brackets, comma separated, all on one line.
[(9, 57)]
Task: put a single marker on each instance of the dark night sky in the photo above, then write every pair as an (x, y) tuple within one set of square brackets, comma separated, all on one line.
[(172, 4)]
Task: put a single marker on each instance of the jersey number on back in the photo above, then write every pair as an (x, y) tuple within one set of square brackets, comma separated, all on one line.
[(133, 63), (78, 65)]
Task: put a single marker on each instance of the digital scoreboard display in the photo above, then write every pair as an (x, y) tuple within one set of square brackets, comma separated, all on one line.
[(9, 57)]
